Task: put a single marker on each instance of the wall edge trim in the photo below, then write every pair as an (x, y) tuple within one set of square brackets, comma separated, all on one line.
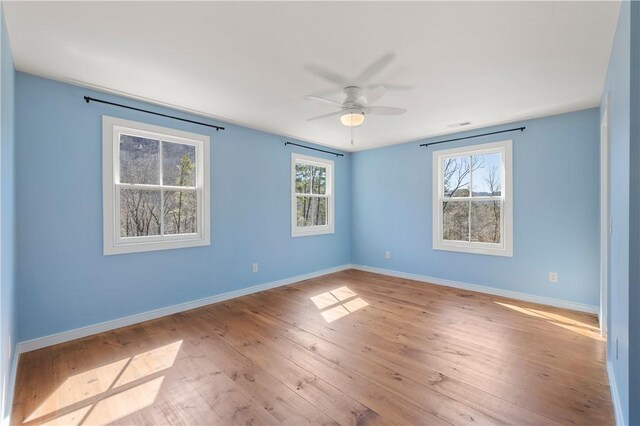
[(526, 297), (12, 386), (65, 336), (615, 396)]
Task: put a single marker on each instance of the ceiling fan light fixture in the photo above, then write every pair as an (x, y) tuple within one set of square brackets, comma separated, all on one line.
[(352, 119)]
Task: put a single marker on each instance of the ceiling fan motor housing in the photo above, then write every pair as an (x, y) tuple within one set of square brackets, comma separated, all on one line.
[(352, 95), (352, 112)]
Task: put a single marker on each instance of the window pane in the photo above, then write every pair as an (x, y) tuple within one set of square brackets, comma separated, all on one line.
[(487, 175), (312, 211), (456, 176), (180, 212), (139, 160), (485, 221), (456, 220), (178, 164), (139, 212), (303, 179), (319, 180)]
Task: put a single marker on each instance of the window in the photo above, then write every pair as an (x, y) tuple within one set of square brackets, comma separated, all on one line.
[(472, 205), (311, 196), (155, 187)]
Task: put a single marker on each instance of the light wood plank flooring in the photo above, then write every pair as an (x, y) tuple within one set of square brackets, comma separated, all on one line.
[(347, 348)]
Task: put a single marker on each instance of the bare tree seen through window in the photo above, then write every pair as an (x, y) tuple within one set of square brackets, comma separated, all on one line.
[(142, 212), (311, 195), (472, 202)]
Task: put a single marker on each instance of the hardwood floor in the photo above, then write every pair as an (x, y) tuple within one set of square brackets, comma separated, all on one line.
[(347, 348)]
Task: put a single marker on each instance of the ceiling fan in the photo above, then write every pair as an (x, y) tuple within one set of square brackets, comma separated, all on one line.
[(359, 94)]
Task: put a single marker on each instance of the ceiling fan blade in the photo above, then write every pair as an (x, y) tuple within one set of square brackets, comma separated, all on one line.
[(328, 75), (373, 95), (336, 91), (390, 86), (375, 68), (324, 100), (319, 117), (384, 110)]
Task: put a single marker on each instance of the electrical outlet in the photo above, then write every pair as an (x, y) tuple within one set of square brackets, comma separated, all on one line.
[(553, 277), (387, 255), (255, 267)]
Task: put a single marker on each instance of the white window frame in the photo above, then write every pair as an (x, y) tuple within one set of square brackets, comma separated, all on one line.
[(113, 243), (505, 248), (305, 231)]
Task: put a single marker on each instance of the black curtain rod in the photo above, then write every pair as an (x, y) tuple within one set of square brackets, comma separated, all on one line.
[(476, 136), (89, 99), (337, 154)]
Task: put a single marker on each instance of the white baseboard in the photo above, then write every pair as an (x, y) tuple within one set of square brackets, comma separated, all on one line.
[(484, 289), (65, 336), (615, 397)]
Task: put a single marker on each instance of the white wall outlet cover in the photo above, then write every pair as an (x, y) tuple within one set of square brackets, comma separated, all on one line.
[(255, 267), (553, 277), (387, 255)]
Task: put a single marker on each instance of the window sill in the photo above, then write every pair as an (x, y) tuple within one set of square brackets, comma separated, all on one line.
[(139, 247), (310, 232), (503, 252)]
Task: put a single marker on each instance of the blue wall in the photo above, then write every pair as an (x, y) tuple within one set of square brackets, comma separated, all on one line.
[(556, 216), (7, 224), (634, 222), (617, 88), (66, 282)]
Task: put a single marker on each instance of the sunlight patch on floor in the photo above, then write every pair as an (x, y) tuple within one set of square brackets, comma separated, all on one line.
[(343, 293), (355, 304), (149, 362), (558, 320), (334, 298), (80, 387), (71, 419), (581, 330), (124, 403), (99, 385), (337, 312), (323, 300)]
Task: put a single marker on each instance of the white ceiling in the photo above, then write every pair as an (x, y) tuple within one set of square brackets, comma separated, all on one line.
[(247, 62)]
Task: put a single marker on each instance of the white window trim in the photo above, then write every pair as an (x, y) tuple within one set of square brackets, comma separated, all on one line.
[(113, 243), (305, 231), (505, 248)]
